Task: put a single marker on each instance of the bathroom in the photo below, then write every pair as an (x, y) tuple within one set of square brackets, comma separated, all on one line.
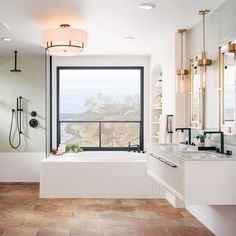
[(108, 181)]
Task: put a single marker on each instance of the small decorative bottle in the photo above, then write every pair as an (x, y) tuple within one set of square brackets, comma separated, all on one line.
[(208, 141)]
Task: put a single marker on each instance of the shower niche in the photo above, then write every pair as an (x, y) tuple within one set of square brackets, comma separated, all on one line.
[(156, 103)]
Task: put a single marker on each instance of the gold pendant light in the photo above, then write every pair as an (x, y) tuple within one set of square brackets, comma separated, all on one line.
[(182, 71), (204, 61), (182, 84)]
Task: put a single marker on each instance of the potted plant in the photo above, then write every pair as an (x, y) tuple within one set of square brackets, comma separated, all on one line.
[(74, 147), (202, 140)]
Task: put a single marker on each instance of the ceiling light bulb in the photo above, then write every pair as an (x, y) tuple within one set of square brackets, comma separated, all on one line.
[(130, 38), (6, 39), (147, 6)]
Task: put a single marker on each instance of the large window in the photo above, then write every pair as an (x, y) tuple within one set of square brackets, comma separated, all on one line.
[(100, 107)]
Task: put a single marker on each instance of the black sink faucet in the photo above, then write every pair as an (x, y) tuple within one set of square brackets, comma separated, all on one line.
[(189, 133), (221, 139)]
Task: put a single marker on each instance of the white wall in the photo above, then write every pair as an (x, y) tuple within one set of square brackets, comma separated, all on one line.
[(20, 167), (164, 55), (23, 164), (103, 61), (30, 84)]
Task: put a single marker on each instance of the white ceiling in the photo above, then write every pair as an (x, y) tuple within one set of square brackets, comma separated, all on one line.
[(106, 21)]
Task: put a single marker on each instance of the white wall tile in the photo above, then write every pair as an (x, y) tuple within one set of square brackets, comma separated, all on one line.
[(97, 180), (20, 167)]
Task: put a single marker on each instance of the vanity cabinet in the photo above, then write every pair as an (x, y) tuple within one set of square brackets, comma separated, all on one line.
[(200, 182), (166, 172)]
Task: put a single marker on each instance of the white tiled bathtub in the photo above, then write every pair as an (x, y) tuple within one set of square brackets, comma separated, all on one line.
[(97, 174)]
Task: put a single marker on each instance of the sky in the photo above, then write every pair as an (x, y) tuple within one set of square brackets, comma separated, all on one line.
[(78, 85)]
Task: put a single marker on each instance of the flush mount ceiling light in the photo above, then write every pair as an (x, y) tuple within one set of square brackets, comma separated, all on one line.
[(182, 71), (6, 39), (147, 6), (204, 61), (64, 41), (130, 38)]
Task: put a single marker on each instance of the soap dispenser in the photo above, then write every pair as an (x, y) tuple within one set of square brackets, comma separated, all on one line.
[(182, 137)]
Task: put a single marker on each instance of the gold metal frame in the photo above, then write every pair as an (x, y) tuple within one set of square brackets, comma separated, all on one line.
[(230, 48), (199, 123)]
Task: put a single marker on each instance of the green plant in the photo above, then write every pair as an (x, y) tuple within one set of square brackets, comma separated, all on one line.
[(74, 147), (202, 138)]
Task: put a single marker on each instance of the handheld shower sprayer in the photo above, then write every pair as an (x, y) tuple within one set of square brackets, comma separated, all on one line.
[(18, 116)]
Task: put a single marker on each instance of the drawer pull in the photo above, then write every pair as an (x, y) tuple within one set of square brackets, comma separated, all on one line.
[(164, 161)]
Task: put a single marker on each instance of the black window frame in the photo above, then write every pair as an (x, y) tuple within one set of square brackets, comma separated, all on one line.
[(141, 122)]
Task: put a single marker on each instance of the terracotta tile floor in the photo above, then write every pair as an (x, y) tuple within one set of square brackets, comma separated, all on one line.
[(22, 213)]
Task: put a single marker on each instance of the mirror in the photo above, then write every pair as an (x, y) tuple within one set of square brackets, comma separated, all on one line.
[(196, 95), (227, 85)]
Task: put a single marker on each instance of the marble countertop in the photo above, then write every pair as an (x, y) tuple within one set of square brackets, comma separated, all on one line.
[(186, 153)]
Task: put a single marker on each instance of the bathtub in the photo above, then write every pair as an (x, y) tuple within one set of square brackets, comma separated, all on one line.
[(97, 174), (100, 156)]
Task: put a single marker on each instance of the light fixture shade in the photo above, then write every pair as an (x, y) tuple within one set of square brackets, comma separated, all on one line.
[(182, 71), (204, 61), (182, 79), (64, 41)]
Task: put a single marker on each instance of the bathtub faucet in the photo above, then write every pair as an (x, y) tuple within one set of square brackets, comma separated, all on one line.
[(135, 148)]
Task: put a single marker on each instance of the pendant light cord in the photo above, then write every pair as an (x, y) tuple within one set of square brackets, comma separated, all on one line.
[(204, 33)]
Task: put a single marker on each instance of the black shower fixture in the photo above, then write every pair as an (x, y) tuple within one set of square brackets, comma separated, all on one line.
[(33, 123), (33, 113), (15, 69), (18, 117)]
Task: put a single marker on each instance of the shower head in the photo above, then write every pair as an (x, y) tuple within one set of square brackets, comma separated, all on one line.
[(15, 69)]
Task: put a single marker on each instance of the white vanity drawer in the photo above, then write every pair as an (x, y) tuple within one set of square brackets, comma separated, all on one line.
[(193, 181), (167, 173)]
